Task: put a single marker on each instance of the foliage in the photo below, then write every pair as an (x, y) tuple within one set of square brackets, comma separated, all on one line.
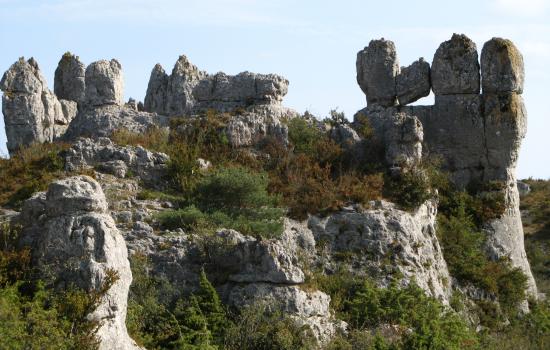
[(258, 327), (30, 170), (33, 316), (232, 197)]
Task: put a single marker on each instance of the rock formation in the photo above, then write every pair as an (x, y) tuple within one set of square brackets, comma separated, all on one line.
[(477, 135), (32, 113), (188, 90), (69, 81), (75, 240)]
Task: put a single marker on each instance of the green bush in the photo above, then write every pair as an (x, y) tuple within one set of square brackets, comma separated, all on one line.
[(234, 198)]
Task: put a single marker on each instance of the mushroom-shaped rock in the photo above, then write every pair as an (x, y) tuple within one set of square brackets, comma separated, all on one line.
[(501, 67), (69, 81), (377, 69), (413, 82), (74, 195), (455, 67), (104, 83)]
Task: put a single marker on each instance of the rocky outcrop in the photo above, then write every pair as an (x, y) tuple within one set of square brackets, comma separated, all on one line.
[(455, 67), (74, 241), (104, 83), (85, 153), (32, 113), (387, 244), (188, 90), (69, 81), (377, 69), (413, 82), (102, 121), (478, 136)]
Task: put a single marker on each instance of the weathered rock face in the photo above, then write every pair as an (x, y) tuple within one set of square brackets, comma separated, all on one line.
[(455, 67), (377, 69), (104, 83), (149, 167), (189, 91), (413, 82), (32, 113), (502, 67), (72, 236), (477, 136), (386, 242), (69, 81), (102, 121)]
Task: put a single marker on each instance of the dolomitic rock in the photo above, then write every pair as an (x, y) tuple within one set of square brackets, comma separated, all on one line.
[(377, 69), (501, 67), (372, 236), (413, 82), (104, 83), (69, 81), (75, 240), (455, 67), (187, 90), (149, 167), (32, 113), (477, 136)]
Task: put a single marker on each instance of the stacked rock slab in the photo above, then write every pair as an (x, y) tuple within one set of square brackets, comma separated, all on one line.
[(187, 90), (32, 113), (477, 135), (74, 239)]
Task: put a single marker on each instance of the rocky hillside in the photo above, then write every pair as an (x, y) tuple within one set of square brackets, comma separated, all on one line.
[(210, 216)]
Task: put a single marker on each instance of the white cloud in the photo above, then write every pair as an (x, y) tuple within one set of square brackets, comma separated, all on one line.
[(531, 8)]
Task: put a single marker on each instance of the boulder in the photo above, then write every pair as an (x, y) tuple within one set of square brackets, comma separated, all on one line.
[(104, 83), (377, 69), (455, 67), (413, 82), (501, 67), (32, 113), (69, 81), (74, 240)]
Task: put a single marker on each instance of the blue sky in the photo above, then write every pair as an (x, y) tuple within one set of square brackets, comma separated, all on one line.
[(311, 43)]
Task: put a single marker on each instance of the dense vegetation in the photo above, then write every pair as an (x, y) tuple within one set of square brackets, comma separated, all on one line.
[(251, 192)]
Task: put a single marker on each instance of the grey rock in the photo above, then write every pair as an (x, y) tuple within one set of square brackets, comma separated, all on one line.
[(345, 135), (523, 188), (69, 81), (249, 129), (155, 97), (501, 67), (307, 308), (32, 113), (373, 235), (75, 241), (149, 167), (104, 83), (455, 67), (132, 104), (413, 82), (102, 121), (377, 69), (190, 91)]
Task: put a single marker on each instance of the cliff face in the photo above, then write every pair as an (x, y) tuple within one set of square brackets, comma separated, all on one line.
[(478, 135)]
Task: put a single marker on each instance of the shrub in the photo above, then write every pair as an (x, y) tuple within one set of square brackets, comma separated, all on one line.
[(30, 170), (258, 327)]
